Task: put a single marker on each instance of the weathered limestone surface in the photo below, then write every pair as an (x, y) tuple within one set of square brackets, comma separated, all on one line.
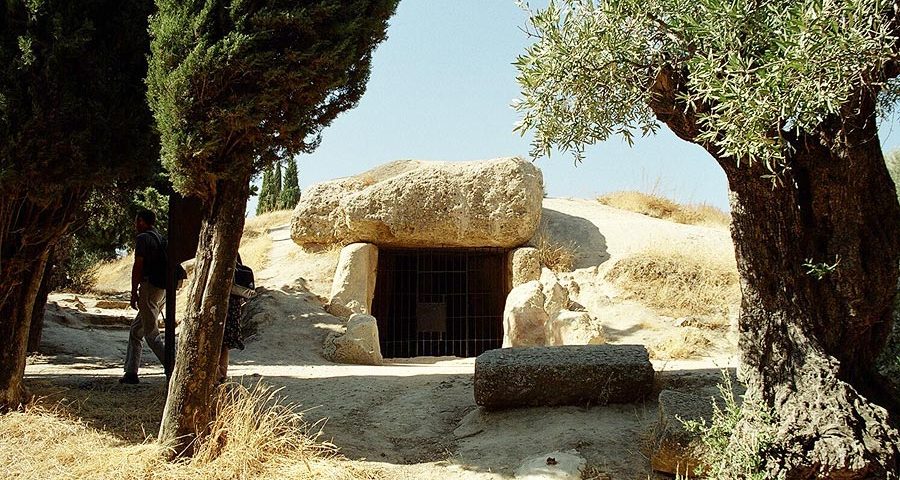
[(524, 265), (524, 317), (565, 375), (557, 465), (358, 344), (409, 203), (676, 450), (574, 328), (537, 314), (556, 297), (354, 280)]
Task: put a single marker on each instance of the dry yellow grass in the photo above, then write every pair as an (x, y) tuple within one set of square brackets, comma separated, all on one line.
[(686, 342), (554, 255), (255, 243), (114, 276), (679, 281), (254, 435), (660, 207)]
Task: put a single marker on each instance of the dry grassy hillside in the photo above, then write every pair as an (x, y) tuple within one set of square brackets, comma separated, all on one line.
[(657, 206)]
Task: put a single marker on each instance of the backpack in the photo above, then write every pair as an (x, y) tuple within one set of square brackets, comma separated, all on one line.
[(156, 260), (243, 285)]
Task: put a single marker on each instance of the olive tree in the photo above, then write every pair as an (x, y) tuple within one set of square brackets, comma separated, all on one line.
[(235, 86), (785, 97)]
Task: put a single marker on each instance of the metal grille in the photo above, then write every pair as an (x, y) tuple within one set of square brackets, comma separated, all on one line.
[(440, 302)]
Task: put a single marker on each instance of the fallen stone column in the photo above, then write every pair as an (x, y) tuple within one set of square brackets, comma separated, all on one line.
[(563, 375)]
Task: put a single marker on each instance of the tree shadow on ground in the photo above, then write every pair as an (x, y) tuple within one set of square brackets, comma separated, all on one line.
[(131, 413), (407, 420)]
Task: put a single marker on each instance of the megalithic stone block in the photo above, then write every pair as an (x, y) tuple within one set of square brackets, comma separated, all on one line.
[(562, 375)]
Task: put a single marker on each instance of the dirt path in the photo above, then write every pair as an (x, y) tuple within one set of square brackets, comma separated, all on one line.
[(416, 418)]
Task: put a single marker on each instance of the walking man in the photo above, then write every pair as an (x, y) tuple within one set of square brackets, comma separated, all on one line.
[(148, 293)]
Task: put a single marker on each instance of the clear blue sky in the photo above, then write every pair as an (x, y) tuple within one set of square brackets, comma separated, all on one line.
[(441, 87)]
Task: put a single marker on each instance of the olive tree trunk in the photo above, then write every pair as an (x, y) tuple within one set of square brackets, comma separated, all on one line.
[(818, 255), (818, 261), (28, 231), (188, 406)]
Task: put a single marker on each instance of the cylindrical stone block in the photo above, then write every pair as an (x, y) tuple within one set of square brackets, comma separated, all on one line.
[(563, 375)]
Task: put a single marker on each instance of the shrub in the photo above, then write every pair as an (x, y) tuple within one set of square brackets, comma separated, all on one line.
[(554, 255), (727, 456)]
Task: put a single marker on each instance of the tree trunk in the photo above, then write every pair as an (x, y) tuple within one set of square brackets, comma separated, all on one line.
[(187, 412), (15, 317), (809, 340), (27, 233), (40, 305)]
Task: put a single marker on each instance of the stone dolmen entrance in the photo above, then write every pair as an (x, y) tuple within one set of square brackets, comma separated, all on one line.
[(429, 254), (438, 302)]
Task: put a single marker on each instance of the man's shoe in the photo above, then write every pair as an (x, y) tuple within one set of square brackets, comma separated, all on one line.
[(130, 379)]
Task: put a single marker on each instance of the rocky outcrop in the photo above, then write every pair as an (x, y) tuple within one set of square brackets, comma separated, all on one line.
[(354, 280), (358, 344), (565, 375), (537, 313), (574, 328), (524, 265), (524, 317), (409, 203)]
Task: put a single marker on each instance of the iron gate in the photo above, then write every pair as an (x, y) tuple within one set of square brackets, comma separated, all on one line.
[(440, 302)]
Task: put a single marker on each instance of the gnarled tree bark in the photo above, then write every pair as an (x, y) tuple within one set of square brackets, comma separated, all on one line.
[(809, 341)]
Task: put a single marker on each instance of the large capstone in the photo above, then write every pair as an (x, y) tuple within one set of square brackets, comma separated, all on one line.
[(410, 203), (564, 375)]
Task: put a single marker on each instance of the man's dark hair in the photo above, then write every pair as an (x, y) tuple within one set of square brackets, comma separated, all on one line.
[(148, 217)]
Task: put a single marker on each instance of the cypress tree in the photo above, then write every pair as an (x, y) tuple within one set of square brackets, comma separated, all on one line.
[(236, 86), (290, 191), (72, 117), (275, 199), (265, 192)]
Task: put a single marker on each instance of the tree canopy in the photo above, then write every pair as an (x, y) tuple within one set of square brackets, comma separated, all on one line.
[(72, 98), (785, 97), (235, 82), (754, 73)]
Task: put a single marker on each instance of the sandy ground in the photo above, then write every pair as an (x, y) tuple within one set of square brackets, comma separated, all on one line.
[(417, 417)]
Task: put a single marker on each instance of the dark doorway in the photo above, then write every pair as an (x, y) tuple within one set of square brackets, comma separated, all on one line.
[(440, 302)]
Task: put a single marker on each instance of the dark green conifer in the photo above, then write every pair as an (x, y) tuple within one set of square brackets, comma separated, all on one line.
[(72, 117), (236, 86), (290, 190), (265, 192)]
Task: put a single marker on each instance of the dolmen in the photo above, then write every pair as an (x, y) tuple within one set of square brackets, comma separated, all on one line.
[(562, 375)]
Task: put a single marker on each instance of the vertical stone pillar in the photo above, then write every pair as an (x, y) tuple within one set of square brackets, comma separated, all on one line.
[(353, 286)]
